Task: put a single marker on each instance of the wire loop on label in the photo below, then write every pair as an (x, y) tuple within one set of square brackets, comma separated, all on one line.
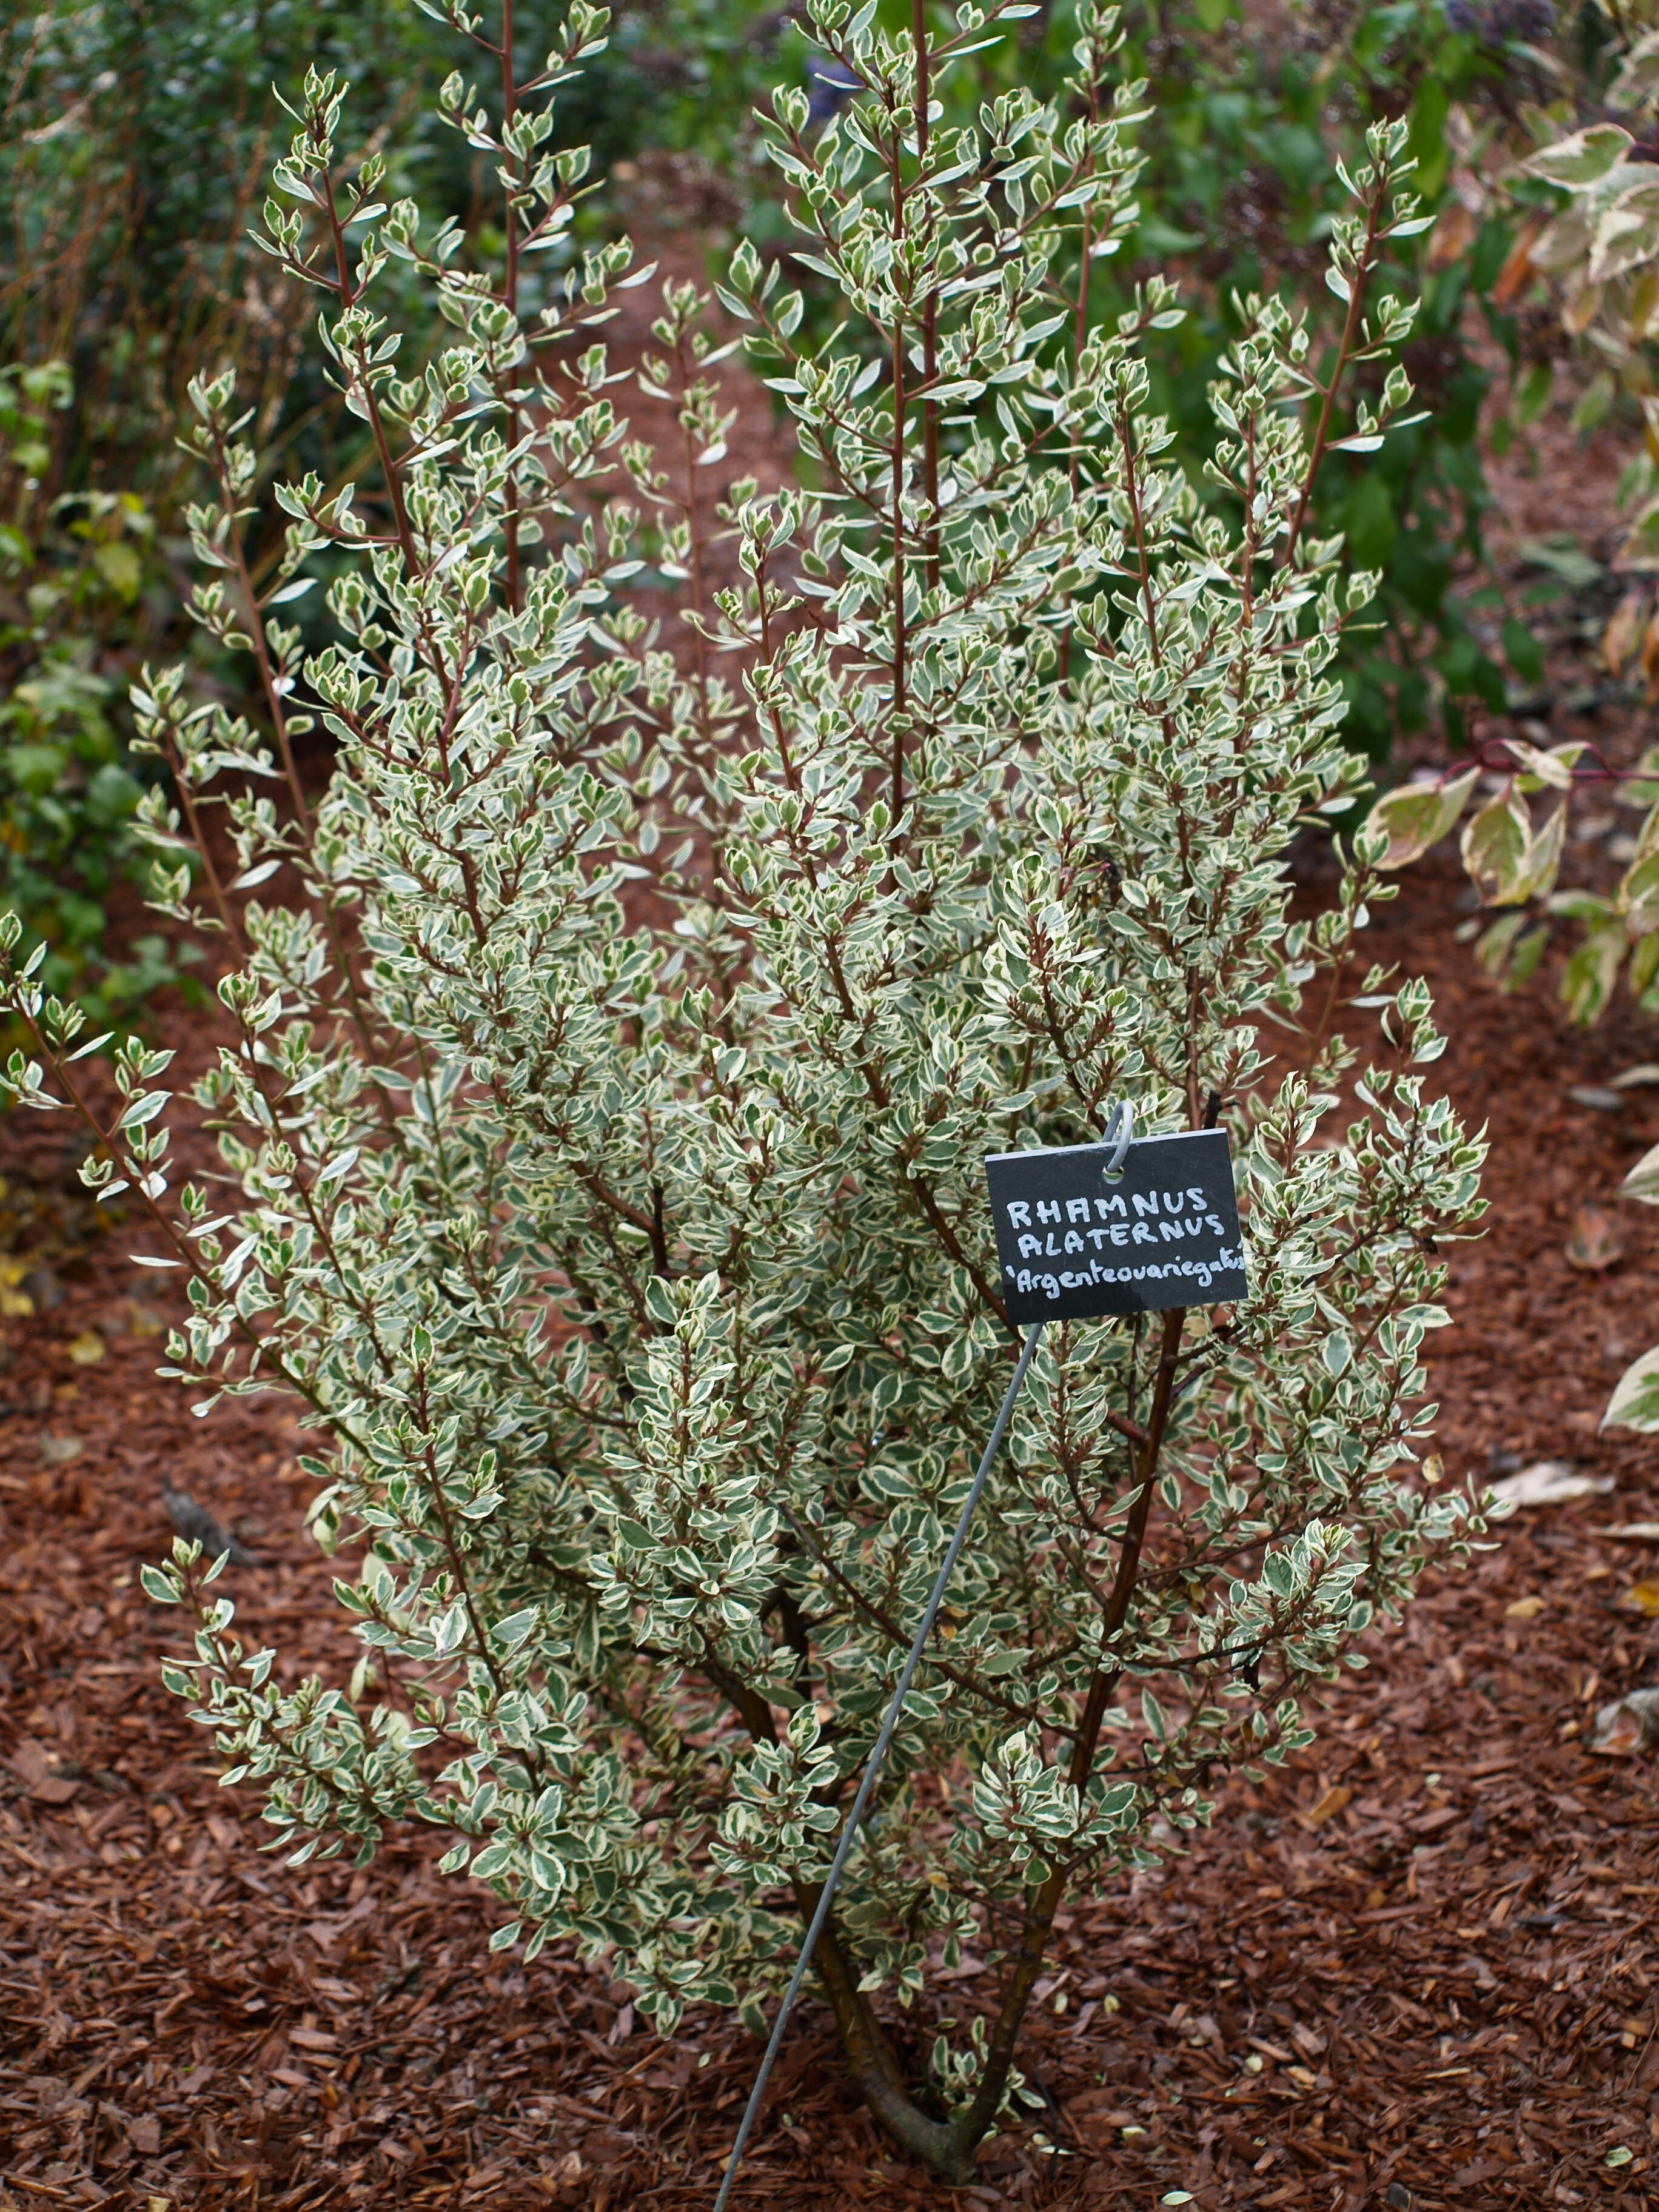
[(1120, 1130)]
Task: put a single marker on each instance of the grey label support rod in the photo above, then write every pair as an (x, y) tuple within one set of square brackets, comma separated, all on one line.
[(942, 1580)]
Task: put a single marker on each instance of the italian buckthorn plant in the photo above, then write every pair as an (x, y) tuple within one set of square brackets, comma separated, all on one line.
[(618, 1037)]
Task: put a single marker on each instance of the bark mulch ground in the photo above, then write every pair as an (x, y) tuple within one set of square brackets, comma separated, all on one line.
[(1421, 1967)]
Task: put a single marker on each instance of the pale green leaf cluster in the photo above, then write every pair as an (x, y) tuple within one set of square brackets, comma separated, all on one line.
[(1513, 860), (1601, 252), (1635, 1401)]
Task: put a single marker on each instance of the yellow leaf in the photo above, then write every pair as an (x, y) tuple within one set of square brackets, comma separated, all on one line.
[(1580, 310), (1329, 1806), (16, 1305), (119, 566), (1494, 846), (1434, 1469), (1518, 270), (1524, 1608), (88, 1349), (1417, 815), (1624, 633), (1641, 1597)]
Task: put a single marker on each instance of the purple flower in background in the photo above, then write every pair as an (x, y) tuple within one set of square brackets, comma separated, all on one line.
[(1500, 22), (1530, 21)]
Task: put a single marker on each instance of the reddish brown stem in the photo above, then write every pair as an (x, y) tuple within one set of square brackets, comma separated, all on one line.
[(900, 642), (971, 2124), (1350, 331), (930, 312), (509, 108)]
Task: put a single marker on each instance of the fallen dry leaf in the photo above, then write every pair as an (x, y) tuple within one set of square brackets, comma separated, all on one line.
[(1517, 269), (34, 1766), (1596, 1240), (1624, 633), (1619, 1733), (59, 1451), (1451, 238), (1329, 1806), (1626, 1725), (1646, 1071), (1524, 1608), (86, 1349), (1641, 1597), (1642, 1532), (1547, 1482)]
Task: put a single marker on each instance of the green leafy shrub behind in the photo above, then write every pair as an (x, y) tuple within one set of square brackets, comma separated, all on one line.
[(621, 1033), (135, 146), (1593, 237), (1590, 249), (1246, 124), (73, 572), (1248, 128)]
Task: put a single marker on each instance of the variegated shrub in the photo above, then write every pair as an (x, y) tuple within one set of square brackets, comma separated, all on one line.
[(618, 1037)]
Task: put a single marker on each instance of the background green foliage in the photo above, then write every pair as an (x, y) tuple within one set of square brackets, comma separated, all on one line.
[(1587, 263), (136, 137), (133, 159), (1244, 129), (1242, 187), (74, 576)]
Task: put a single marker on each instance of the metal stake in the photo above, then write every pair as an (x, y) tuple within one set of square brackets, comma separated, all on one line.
[(751, 2110)]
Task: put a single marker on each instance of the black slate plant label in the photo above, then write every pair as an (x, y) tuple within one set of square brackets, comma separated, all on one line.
[(1163, 1232)]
